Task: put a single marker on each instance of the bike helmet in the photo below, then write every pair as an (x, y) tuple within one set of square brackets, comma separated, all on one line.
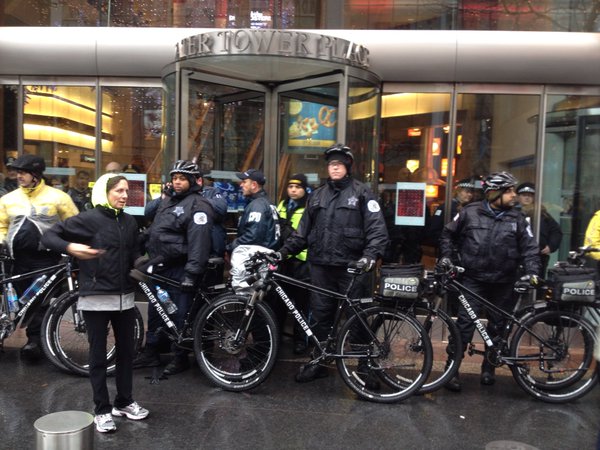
[(499, 181), (340, 152), (187, 168)]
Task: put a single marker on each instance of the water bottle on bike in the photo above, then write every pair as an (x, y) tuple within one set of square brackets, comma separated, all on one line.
[(13, 300), (33, 289), (165, 300)]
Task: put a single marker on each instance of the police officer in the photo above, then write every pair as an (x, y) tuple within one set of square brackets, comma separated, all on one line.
[(342, 224), (550, 232), (259, 223), (179, 244), (490, 239), (290, 211), (463, 195)]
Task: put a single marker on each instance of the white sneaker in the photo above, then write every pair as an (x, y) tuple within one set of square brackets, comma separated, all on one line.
[(133, 412), (104, 423)]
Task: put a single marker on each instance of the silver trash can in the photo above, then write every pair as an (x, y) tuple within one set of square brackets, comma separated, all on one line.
[(65, 430)]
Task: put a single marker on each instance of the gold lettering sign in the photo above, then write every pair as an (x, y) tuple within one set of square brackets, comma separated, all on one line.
[(273, 43)]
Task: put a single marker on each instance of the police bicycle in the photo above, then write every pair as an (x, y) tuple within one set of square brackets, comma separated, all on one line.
[(64, 332), (548, 349), (382, 354), (48, 285), (418, 292)]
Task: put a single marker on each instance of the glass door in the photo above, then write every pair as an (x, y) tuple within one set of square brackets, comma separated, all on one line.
[(571, 166)]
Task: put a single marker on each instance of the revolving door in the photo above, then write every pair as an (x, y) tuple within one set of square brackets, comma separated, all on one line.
[(270, 112)]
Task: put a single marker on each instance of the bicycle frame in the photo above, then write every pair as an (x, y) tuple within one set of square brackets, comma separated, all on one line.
[(174, 334), (512, 320), (58, 271), (343, 303)]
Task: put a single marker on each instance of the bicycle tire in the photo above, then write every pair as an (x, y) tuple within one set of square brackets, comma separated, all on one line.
[(46, 343), (67, 334), (445, 339), (394, 350), (231, 366), (572, 374)]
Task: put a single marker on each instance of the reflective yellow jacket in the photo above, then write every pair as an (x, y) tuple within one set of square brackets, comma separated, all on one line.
[(294, 221), (592, 235), (42, 205)]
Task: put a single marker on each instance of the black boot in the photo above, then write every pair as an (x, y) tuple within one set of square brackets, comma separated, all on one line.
[(310, 372), (148, 358), (487, 373), (178, 364), (32, 351), (454, 383)]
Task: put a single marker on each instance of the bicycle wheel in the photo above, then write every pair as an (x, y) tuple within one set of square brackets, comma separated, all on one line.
[(67, 334), (384, 355), (557, 366), (47, 337), (445, 338), (230, 363)]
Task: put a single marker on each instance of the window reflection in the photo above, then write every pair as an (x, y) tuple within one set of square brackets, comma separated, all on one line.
[(571, 165), (59, 124), (308, 14), (132, 130)]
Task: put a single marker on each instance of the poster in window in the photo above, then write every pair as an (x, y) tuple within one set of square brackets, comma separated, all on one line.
[(136, 200), (410, 204), (311, 125)]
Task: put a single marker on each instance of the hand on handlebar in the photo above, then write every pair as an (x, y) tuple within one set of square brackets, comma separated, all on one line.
[(187, 284), (445, 264), (526, 282), (364, 264)]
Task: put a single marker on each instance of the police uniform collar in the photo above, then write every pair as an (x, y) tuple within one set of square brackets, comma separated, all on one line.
[(340, 184)]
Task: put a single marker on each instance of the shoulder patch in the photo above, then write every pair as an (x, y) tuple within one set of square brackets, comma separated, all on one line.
[(200, 218), (373, 206)]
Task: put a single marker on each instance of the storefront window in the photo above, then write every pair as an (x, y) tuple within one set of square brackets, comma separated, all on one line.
[(494, 132), (132, 131), (361, 127), (59, 124), (571, 166), (414, 152), (308, 126)]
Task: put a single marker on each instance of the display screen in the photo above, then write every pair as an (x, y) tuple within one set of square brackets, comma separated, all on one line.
[(410, 204)]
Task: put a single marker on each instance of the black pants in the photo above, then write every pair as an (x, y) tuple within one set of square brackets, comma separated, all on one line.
[(25, 263), (183, 300), (323, 307), (123, 325), (500, 294)]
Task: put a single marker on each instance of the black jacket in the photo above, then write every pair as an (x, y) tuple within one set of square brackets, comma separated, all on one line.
[(490, 247), (181, 231), (259, 224), (219, 205), (100, 228), (342, 223)]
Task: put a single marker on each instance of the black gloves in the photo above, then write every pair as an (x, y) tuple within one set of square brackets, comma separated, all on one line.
[(282, 254), (365, 264), (526, 282), (445, 264), (187, 284)]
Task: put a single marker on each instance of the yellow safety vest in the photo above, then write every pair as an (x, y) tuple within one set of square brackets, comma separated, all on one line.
[(294, 221)]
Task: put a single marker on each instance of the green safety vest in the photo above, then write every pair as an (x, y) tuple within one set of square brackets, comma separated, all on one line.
[(295, 221)]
